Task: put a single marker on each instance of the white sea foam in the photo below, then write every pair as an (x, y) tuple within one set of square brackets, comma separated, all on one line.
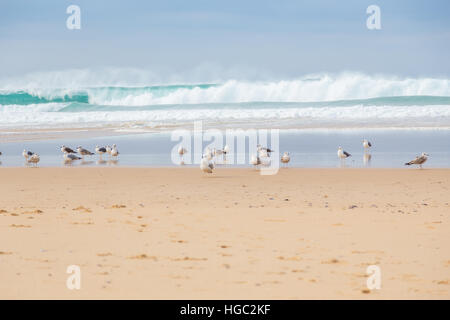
[(46, 115)]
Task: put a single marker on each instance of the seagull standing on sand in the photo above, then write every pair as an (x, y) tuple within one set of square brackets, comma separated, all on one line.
[(65, 149), (263, 151), (69, 157), (226, 150), (108, 150), (206, 165), (221, 152), (114, 151), (100, 150), (209, 154), (217, 152), (420, 160), (84, 152), (343, 154), (182, 151), (34, 158), (366, 144), (285, 158), (26, 154), (255, 160)]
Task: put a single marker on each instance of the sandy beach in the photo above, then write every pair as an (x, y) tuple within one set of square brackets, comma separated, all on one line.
[(174, 233)]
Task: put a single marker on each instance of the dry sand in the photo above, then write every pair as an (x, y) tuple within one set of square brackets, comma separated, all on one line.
[(179, 234)]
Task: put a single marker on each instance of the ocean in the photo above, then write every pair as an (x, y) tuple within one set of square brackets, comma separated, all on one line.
[(311, 102)]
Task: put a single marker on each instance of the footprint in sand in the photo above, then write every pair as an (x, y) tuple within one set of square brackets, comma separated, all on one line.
[(37, 211), (20, 226), (144, 257), (331, 261), (106, 254), (118, 206), (83, 209)]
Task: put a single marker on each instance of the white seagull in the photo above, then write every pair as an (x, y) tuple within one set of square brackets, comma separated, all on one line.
[(209, 154), (206, 165), (182, 150), (419, 160), (217, 152), (26, 154), (366, 144), (100, 150), (84, 152), (69, 157), (114, 151), (65, 149), (255, 160), (34, 158), (343, 154), (108, 150), (263, 151), (285, 158)]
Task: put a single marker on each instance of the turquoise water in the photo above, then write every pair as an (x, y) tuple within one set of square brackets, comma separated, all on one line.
[(327, 101)]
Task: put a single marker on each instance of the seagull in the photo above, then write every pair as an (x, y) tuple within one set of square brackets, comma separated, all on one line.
[(100, 150), (255, 160), (209, 154), (69, 157), (34, 158), (218, 152), (26, 154), (221, 152), (206, 165), (420, 160), (343, 154), (285, 158), (366, 144), (366, 158), (108, 150), (114, 151), (182, 151), (84, 152), (264, 152), (65, 149)]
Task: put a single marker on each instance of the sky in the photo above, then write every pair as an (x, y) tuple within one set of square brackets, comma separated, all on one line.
[(230, 39)]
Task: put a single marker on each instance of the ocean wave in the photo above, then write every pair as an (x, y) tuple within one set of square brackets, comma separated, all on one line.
[(346, 100), (325, 88)]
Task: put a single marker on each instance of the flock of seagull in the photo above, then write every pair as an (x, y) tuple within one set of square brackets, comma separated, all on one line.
[(262, 157), (419, 160), (70, 155), (207, 163)]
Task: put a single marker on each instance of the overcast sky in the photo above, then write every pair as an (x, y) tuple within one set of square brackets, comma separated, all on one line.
[(280, 39)]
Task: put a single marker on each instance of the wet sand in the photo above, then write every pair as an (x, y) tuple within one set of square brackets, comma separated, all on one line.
[(175, 233)]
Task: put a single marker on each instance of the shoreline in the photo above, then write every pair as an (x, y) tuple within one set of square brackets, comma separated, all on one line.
[(175, 233), (390, 149), (20, 135)]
